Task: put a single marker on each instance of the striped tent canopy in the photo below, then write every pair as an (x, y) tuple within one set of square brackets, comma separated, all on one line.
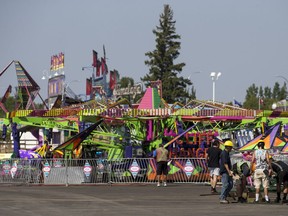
[(151, 100)]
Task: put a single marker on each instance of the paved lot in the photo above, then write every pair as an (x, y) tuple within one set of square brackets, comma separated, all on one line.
[(176, 199)]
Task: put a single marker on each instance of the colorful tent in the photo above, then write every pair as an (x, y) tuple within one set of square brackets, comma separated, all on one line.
[(270, 138), (151, 99)]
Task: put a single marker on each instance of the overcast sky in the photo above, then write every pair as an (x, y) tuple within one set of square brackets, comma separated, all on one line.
[(244, 40)]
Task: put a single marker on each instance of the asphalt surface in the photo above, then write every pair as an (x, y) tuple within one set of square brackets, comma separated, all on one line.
[(128, 200)]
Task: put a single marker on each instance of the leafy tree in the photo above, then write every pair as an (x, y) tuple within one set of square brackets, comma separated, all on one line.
[(161, 60)]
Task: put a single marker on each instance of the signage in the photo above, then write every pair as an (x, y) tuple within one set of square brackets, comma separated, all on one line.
[(188, 168), (87, 169), (46, 169), (130, 90), (134, 168)]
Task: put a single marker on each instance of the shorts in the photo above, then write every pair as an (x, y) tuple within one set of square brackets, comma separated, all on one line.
[(162, 168), (214, 171), (260, 178)]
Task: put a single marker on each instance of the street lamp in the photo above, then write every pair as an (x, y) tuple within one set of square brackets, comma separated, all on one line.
[(46, 75), (64, 88), (214, 76)]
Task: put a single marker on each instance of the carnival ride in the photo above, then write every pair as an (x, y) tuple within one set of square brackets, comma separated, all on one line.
[(117, 129)]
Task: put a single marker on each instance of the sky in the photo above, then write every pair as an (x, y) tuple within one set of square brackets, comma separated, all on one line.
[(247, 40)]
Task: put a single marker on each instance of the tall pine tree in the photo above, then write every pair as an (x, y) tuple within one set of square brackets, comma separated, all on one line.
[(161, 60)]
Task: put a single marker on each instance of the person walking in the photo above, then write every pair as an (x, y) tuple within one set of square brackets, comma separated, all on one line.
[(262, 170), (226, 172), (280, 170), (161, 155), (212, 157)]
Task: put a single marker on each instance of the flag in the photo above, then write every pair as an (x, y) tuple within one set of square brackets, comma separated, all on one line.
[(114, 78), (95, 59), (88, 86), (261, 101), (237, 103), (104, 67), (98, 68), (112, 82), (61, 60)]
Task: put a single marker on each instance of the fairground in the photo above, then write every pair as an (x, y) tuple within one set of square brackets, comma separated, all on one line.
[(141, 199)]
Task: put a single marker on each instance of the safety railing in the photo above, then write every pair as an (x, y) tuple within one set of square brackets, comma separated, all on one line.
[(99, 171)]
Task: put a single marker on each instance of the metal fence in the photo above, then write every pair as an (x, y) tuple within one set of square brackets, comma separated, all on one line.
[(103, 171), (99, 171)]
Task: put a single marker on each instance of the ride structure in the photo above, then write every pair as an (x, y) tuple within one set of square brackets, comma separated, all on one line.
[(116, 129)]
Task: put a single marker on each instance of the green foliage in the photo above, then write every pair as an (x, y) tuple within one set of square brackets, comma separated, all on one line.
[(267, 96), (161, 61)]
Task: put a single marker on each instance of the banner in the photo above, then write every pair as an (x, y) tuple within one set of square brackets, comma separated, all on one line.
[(57, 62), (88, 86), (95, 59)]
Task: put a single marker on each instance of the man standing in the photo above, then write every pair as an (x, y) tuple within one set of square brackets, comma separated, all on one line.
[(212, 158), (225, 172), (261, 174), (161, 155)]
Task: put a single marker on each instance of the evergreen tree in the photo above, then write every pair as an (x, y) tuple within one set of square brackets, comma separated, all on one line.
[(283, 92), (251, 99), (267, 92), (276, 91), (161, 60)]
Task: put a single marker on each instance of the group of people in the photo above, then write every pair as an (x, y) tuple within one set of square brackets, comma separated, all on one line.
[(219, 163)]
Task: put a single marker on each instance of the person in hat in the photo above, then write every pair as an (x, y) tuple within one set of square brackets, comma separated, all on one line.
[(280, 172), (226, 172), (262, 170), (162, 156)]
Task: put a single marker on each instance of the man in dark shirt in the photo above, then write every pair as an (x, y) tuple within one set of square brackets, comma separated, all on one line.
[(225, 172), (280, 169), (212, 158)]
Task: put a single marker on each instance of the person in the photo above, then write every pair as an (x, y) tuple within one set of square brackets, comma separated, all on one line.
[(241, 170), (262, 169), (226, 172), (280, 169), (212, 157), (161, 155)]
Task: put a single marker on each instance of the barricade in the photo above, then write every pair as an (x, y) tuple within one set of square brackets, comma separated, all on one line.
[(99, 171)]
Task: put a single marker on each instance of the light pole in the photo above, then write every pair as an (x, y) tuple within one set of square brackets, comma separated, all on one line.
[(214, 76), (64, 87)]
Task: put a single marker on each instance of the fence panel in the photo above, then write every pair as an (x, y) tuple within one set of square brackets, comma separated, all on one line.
[(102, 171)]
